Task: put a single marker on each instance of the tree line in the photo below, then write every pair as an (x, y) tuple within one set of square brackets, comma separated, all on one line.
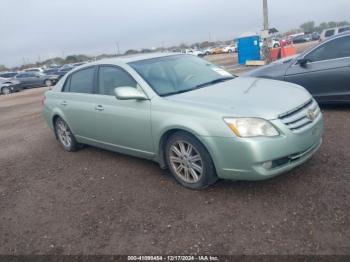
[(307, 27)]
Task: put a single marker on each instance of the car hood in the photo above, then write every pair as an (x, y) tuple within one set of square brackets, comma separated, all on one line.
[(246, 97), (275, 70), (285, 60)]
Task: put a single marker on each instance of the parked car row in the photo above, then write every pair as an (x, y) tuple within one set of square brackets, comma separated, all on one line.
[(11, 82), (221, 49)]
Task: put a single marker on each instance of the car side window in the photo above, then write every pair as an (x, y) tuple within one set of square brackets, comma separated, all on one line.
[(337, 48), (82, 81), (111, 77), (344, 29), (329, 33)]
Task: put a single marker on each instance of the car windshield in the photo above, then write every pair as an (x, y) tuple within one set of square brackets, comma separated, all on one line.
[(179, 73)]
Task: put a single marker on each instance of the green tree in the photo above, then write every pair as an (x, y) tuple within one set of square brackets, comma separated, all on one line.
[(308, 27), (183, 46), (3, 68), (321, 27), (343, 23), (131, 51), (332, 24), (76, 59)]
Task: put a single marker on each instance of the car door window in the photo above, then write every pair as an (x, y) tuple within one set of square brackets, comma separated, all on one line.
[(337, 48), (21, 76), (110, 77), (82, 81), (344, 29), (329, 33)]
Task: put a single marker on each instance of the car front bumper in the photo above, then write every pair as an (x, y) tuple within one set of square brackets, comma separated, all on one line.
[(262, 158), (16, 88)]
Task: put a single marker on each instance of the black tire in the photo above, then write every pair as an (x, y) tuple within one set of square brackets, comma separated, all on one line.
[(5, 90), (230, 51), (48, 82), (208, 175), (73, 145)]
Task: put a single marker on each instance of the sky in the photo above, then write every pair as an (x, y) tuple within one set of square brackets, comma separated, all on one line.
[(40, 29)]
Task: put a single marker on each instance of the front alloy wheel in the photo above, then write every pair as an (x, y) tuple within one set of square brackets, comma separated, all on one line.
[(5, 90), (189, 161), (48, 82), (186, 161)]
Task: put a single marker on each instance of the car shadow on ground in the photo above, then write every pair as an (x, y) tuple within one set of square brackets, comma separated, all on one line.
[(136, 166)]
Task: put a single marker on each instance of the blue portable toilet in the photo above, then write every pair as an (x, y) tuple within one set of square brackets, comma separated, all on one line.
[(248, 49)]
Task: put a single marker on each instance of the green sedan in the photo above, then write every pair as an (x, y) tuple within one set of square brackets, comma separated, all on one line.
[(187, 114)]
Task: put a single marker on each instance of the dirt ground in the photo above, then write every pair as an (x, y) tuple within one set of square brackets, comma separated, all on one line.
[(98, 202)]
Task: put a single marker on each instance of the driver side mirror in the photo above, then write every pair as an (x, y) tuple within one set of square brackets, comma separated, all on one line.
[(129, 93), (303, 62)]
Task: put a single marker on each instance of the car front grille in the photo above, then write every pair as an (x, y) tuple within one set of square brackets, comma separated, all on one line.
[(300, 118)]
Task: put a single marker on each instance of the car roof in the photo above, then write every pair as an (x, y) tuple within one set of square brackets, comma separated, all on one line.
[(338, 27), (132, 58)]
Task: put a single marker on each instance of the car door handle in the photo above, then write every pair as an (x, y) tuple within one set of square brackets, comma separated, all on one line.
[(63, 103), (99, 108)]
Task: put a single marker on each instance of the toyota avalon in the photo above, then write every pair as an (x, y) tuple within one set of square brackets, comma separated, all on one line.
[(187, 114)]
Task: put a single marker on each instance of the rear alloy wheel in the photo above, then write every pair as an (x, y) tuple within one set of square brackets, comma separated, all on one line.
[(65, 136), (189, 161), (5, 90), (48, 82)]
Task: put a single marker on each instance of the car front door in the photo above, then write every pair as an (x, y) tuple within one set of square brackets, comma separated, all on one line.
[(326, 71), (76, 102), (25, 80), (123, 125)]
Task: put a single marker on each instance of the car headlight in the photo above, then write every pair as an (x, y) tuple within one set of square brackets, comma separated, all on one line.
[(251, 127)]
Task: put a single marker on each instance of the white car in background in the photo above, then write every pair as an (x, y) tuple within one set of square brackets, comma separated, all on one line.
[(8, 86), (230, 49), (333, 31), (273, 43), (194, 52), (208, 51), (34, 69)]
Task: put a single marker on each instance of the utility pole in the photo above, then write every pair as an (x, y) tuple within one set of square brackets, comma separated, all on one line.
[(266, 15), (265, 34), (117, 46)]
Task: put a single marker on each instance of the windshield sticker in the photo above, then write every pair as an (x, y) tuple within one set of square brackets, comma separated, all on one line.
[(221, 71)]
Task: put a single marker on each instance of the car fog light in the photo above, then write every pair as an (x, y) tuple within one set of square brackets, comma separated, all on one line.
[(267, 165)]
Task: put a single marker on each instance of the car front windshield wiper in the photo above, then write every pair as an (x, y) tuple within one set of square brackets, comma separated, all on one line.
[(215, 81)]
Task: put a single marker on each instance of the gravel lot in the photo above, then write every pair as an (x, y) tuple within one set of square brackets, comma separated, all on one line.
[(97, 202)]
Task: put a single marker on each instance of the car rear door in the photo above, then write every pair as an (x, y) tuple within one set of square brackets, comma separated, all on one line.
[(38, 79), (76, 102), (122, 124), (326, 75)]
